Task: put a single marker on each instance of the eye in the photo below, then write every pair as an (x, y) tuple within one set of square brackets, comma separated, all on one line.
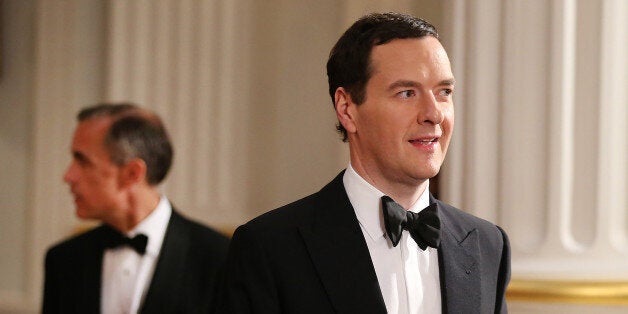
[(406, 94), (80, 159), (446, 92)]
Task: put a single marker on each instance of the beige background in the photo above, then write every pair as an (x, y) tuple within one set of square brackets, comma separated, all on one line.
[(539, 147)]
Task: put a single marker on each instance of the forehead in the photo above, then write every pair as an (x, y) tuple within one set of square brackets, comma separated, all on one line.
[(413, 55), (89, 134)]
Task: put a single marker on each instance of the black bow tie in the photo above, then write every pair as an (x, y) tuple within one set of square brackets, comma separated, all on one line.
[(424, 226), (138, 242)]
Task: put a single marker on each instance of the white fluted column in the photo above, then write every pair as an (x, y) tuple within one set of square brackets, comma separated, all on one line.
[(67, 75), (541, 139), (180, 59)]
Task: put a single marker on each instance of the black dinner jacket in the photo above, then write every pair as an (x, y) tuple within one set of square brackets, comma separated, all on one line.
[(311, 257), (184, 280)]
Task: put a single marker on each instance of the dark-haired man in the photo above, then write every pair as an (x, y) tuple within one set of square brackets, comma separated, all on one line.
[(145, 257), (374, 240)]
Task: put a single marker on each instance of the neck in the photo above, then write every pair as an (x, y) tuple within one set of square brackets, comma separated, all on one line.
[(408, 197), (139, 206), (405, 194)]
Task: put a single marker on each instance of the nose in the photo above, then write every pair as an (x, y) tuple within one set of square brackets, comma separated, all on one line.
[(70, 174), (430, 111)]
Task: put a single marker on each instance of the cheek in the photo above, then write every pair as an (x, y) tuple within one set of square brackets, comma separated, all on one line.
[(452, 119), (450, 113), (447, 128), (448, 123), (383, 124), (99, 182)]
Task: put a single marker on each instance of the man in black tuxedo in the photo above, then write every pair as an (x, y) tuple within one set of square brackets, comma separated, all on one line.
[(145, 257), (364, 243)]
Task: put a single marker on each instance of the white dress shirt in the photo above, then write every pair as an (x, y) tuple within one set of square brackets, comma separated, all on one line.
[(408, 276), (126, 275)]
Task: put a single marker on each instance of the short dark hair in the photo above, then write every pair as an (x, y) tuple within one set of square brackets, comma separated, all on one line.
[(349, 63), (135, 133)]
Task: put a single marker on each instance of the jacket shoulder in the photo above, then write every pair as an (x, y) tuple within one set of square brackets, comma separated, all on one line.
[(304, 210), (88, 238), (461, 223), (198, 232)]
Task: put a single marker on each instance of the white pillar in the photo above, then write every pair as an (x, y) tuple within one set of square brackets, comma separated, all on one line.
[(180, 58), (67, 75), (541, 141)]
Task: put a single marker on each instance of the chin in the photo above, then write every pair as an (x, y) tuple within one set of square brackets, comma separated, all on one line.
[(429, 170), (421, 177)]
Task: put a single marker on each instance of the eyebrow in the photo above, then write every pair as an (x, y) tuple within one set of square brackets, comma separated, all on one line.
[(408, 83), (447, 82)]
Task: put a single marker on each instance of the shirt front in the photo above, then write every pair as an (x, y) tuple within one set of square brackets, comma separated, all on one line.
[(126, 275), (408, 276)]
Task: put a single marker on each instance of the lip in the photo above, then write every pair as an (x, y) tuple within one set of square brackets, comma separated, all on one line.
[(425, 142), (75, 195)]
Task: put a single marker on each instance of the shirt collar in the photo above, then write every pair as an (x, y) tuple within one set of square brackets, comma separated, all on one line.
[(154, 226), (366, 202)]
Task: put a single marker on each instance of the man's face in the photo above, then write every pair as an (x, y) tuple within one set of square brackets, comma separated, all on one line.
[(403, 128), (92, 177)]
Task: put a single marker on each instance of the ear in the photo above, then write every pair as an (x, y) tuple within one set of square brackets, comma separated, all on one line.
[(345, 110), (133, 172)]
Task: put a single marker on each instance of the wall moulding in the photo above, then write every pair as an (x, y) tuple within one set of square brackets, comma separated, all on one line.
[(564, 291)]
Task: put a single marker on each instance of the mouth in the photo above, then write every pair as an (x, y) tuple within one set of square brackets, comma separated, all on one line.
[(424, 140), (75, 196), (425, 143)]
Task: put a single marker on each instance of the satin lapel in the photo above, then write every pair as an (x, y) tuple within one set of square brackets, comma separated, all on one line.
[(169, 271), (92, 273), (338, 250), (458, 263)]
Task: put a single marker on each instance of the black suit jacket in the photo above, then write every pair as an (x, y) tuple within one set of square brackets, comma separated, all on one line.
[(184, 280), (311, 257)]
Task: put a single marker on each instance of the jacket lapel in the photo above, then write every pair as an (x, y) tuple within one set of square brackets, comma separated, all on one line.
[(338, 250), (168, 273), (92, 273), (458, 257), (90, 303)]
